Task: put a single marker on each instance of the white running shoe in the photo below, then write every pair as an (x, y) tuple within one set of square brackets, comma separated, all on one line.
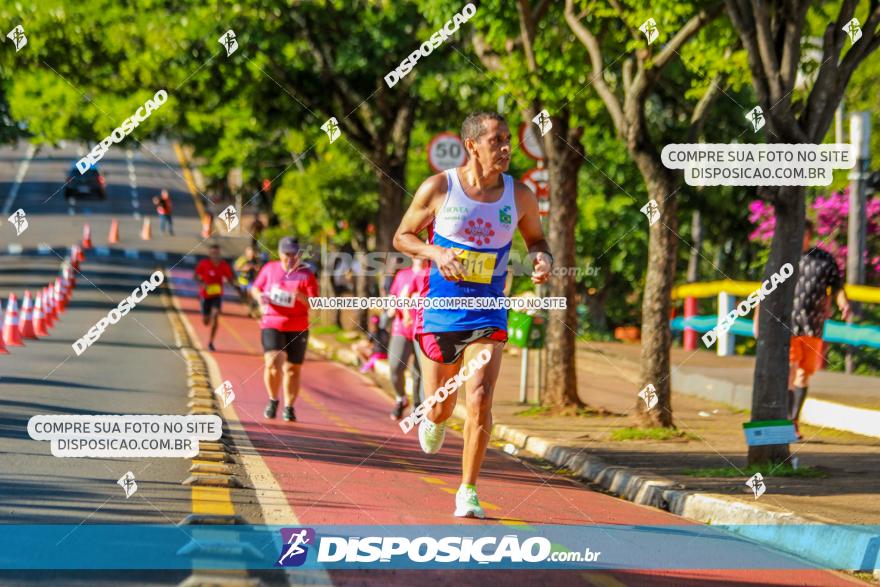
[(467, 505), (431, 436)]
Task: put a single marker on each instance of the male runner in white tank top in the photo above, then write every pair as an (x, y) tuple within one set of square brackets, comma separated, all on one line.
[(471, 213)]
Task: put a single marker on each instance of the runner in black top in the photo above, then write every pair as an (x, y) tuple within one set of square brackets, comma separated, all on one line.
[(817, 274)]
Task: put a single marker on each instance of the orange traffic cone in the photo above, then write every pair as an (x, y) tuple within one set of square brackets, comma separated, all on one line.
[(48, 315), (76, 256), (11, 333), (27, 325), (146, 234), (65, 285), (59, 296), (39, 319), (53, 308), (114, 232), (69, 279), (87, 237), (207, 221), (3, 350)]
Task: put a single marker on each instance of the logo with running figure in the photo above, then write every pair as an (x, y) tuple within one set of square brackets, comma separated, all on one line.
[(504, 215), (295, 548), (478, 231)]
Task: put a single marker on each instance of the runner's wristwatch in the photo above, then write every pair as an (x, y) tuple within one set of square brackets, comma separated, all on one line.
[(549, 255)]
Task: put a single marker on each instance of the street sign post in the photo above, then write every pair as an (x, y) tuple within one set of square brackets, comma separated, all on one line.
[(530, 141), (538, 180), (446, 151)]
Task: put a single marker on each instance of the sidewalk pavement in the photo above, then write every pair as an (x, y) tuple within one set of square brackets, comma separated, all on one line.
[(652, 472), (836, 400)]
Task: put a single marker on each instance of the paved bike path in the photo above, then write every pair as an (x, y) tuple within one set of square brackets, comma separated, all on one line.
[(345, 462)]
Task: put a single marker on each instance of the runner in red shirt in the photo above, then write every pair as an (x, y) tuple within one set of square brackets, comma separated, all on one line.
[(283, 289), (211, 273)]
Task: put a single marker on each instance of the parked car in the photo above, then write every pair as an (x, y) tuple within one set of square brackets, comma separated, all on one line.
[(85, 185)]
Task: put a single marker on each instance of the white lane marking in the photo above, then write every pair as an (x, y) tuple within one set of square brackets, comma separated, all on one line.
[(160, 255), (44, 248), (14, 248), (19, 177), (102, 251), (189, 259), (132, 182), (131, 253)]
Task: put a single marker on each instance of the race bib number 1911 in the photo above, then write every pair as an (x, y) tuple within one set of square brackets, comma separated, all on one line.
[(478, 267)]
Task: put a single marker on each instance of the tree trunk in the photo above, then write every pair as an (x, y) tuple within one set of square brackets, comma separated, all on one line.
[(596, 306), (693, 274), (336, 313), (656, 304), (361, 285), (770, 386), (560, 389), (391, 181)]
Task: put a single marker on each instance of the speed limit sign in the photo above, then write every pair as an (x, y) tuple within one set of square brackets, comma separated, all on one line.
[(538, 180), (446, 151), (531, 142)]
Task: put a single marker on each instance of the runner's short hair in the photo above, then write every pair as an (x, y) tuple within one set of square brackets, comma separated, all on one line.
[(472, 127)]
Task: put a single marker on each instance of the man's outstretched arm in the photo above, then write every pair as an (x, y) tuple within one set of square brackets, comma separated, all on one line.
[(419, 215)]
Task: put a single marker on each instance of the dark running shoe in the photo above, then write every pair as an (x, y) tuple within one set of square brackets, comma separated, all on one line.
[(399, 405), (271, 408), (289, 414)]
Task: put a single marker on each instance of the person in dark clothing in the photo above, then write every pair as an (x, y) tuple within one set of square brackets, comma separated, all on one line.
[(819, 281)]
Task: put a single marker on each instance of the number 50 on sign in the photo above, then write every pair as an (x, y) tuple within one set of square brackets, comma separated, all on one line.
[(446, 151)]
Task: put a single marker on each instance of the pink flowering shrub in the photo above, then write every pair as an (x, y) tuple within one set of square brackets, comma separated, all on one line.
[(831, 213)]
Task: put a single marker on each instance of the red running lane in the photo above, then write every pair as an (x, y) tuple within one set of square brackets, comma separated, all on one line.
[(344, 461)]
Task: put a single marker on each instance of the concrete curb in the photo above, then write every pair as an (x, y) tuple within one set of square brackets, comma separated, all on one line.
[(831, 544), (645, 488)]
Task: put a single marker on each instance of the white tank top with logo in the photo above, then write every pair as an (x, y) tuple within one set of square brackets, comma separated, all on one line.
[(481, 234)]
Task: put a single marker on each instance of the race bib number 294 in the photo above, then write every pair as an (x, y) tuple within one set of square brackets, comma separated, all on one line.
[(281, 297)]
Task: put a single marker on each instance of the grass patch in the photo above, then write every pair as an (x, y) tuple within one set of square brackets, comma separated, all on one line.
[(567, 411), (326, 329), (533, 411), (780, 471), (345, 336), (650, 434)]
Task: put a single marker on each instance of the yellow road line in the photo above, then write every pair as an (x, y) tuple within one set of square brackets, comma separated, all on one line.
[(205, 500), (238, 337), (486, 505), (215, 501), (602, 580), (519, 524), (190, 183), (433, 480)]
